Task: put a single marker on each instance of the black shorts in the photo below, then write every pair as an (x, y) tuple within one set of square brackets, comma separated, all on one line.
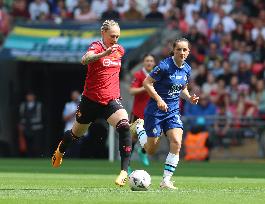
[(88, 110)]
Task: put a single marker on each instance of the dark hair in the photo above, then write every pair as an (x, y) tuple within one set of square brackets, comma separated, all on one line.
[(180, 40), (148, 54), (177, 41), (30, 92)]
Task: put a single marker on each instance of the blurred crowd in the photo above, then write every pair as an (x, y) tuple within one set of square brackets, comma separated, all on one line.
[(227, 55), (87, 10)]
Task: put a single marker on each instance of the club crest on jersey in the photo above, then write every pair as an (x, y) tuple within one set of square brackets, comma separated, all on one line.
[(117, 55), (185, 78), (154, 130), (156, 70)]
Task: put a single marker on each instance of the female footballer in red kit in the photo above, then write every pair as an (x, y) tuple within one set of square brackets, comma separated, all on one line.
[(101, 97)]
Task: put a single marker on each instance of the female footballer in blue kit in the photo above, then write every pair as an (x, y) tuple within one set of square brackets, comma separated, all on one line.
[(165, 84)]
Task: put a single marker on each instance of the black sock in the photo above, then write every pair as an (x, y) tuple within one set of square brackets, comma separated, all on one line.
[(133, 145), (125, 147), (67, 141)]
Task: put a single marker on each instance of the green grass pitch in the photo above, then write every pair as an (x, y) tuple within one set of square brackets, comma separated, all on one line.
[(92, 181)]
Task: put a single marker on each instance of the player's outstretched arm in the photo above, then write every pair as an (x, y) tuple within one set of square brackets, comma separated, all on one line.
[(186, 95), (90, 56)]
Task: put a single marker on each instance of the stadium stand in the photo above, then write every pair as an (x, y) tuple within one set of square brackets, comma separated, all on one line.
[(227, 49)]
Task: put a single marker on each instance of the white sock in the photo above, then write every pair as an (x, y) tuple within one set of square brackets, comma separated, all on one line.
[(142, 137), (170, 166)]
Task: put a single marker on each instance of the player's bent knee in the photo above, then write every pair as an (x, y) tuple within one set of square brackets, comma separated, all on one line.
[(78, 133), (150, 151), (151, 145)]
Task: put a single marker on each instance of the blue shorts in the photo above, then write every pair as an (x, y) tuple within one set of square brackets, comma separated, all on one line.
[(154, 126)]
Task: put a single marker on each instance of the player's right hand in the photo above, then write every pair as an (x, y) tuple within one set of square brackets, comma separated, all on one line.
[(162, 105), (110, 50)]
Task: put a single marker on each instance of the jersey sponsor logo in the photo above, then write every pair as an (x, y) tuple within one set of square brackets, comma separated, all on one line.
[(174, 76), (109, 62), (175, 89), (178, 77)]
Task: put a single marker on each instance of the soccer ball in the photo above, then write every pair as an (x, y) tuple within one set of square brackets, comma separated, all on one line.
[(139, 180)]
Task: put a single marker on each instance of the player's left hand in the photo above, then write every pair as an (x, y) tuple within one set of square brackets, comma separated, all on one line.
[(194, 99)]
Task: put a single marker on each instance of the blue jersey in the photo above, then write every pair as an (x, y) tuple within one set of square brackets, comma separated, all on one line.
[(170, 80)]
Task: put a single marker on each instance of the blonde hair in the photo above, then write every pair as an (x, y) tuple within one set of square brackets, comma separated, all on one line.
[(107, 24)]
